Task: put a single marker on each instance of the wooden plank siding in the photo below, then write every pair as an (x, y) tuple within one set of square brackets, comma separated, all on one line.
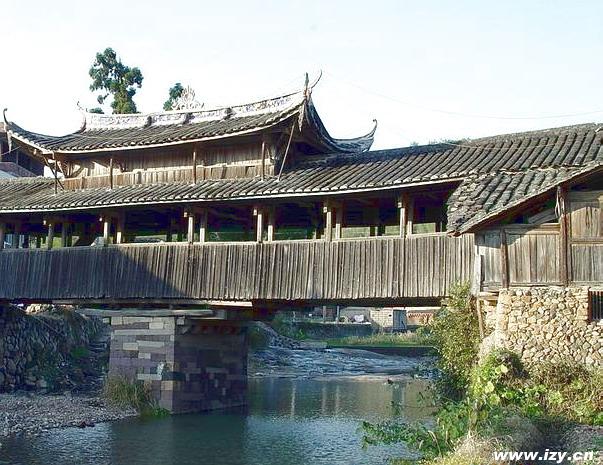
[(365, 269)]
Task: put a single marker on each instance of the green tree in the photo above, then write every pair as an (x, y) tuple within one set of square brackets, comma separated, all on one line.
[(98, 110), (112, 77), (175, 92)]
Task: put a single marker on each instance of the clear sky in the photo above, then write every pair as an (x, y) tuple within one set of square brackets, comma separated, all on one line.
[(425, 69)]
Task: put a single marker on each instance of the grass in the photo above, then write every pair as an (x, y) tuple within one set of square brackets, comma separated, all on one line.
[(380, 340), (123, 393)]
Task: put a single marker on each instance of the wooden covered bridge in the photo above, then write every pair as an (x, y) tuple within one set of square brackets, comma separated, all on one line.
[(258, 206)]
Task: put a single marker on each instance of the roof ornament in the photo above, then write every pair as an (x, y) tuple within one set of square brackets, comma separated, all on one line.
[(187, 101), (8, 131)]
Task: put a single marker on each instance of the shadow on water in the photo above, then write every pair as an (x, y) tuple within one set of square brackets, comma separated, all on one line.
[(287, 422)]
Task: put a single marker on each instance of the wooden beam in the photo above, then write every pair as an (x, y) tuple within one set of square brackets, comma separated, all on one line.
[(64, 226), (17, 235), (2, 234), (195, 165), (106, 230), (259, 228), (328, 210), (280, 171), (203, 216), (338, 220), (504, 259), (262, 174), (563, 204), (190, 233), (403, 213), (410, 207), (111, 173), (270, 226), (121, 228), (50, 235)]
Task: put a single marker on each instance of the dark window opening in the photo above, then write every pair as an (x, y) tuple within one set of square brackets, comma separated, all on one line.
[(294, 221), (429, 213), (595, 305)]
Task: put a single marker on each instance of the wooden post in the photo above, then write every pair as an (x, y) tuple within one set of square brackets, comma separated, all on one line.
[(410, 207), (504, 259), (338, 220), (170, 231), (195, 165), (259, 228), (203, 216), (402, 208), (270, 226), (64, 226), (121, 228), (106, 230), (111, 173), (564, 269), (328, 221), (17, 235), (190, 233), (262, 174), (2, 234), (50, 236)]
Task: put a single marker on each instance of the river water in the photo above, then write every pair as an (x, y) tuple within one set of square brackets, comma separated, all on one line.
[(289, 421)]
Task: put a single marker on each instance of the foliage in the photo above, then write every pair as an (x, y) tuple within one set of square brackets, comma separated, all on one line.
[(174, 93), (454, 331), (381, 340), (97, 110), (123, 393), (452, 423), (112, 77), (258, 339), (79, 353), (282, 325)]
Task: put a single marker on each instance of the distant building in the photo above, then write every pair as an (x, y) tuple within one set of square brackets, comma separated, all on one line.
[(14, 162)]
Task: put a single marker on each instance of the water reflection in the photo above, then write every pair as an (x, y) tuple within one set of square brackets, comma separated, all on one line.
[(288, 422)]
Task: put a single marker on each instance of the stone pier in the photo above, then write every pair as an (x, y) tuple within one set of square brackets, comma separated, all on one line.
[(191, 365)]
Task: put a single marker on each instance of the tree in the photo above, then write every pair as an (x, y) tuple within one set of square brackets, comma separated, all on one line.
[(114, 78), (175, 93)]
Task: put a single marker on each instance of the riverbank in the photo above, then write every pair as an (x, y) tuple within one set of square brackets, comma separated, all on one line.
[(31, 414)]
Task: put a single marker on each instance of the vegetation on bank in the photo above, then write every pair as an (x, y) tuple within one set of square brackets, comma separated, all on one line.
[(492, 405), (123, 393), (382, 340)]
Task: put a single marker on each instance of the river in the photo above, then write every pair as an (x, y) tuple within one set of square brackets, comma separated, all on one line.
[(289, 421)]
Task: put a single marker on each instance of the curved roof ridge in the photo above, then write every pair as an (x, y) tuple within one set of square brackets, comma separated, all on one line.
[(100, 121)]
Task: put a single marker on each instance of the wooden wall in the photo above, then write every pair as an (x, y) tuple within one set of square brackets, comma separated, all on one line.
[(534, 253), (379, 268)]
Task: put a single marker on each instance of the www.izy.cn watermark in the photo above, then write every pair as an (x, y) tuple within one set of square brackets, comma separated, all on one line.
[(545, 456)]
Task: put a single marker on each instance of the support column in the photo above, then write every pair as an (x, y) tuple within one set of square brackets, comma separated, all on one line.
[(2, 235), (403, 209), (328, 211), (203, 225), (259, 229), (50, 236), (190, 232), (338, 219), (120, 231), (191, 365), (106, 230), (270, 225), (64, 226)]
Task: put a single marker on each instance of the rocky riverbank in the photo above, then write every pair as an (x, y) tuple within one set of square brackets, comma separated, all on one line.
[(24, 413)]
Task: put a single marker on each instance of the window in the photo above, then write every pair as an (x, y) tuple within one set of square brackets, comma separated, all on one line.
[(429, 213), (595, 305)]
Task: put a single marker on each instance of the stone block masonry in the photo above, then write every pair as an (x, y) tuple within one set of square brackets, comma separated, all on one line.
[(545, 323), (191, 365)]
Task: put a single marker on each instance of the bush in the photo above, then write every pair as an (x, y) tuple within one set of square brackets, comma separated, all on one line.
[(258, 339), (123, 393), (454, 331)]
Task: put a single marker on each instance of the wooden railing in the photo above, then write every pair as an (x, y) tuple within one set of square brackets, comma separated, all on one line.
[(343, 270), (166, 176)]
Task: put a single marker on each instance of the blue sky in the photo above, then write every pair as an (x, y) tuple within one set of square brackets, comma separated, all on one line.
[(418, 67)]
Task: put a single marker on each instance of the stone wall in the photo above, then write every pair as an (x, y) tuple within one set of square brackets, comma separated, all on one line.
[(545, 323), (191, 365), (35, 349)]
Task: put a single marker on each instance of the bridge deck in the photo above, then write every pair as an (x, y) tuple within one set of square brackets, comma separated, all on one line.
[(361, 269)]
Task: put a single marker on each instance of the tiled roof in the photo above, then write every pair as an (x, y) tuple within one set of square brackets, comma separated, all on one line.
[(493, 173), (482, 197), (111, 132)]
